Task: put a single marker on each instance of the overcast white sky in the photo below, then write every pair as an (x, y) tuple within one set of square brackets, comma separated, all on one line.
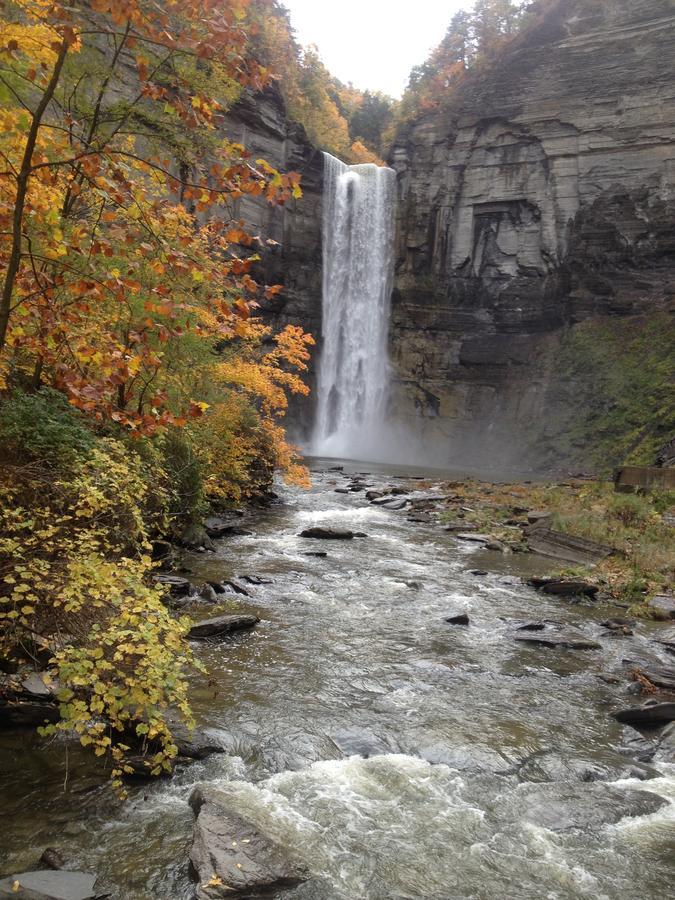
[(373, 43)]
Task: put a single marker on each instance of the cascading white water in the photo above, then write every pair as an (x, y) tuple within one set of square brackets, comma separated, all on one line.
[(358, 259)]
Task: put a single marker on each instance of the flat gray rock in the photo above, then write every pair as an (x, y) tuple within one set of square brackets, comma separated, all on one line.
[(564, 638), (49, 885), (572, 806), (231, 857), (221, 626)]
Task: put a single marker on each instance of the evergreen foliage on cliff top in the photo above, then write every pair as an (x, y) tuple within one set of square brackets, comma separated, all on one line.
[(475, 37)]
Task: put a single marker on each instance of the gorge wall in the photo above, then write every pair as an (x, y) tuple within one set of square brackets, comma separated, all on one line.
[(542, 197), (533, 313), (291, 234)]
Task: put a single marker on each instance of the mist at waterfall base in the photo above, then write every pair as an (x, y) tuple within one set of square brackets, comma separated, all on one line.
[(358, 263)]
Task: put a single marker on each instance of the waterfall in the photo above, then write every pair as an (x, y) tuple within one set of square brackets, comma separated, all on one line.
[(358, 259)]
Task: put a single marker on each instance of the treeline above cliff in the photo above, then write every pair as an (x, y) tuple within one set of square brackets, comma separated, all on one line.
[(475, 36)]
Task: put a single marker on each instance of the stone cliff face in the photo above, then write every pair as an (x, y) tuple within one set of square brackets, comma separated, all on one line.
[(543, 196), (291, 235)]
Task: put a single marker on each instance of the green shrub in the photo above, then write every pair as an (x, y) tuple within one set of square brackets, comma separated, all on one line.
[(43, 426), (631, 509), (185, 473)]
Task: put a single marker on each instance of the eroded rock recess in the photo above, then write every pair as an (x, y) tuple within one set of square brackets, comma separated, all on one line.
[(542, 196)]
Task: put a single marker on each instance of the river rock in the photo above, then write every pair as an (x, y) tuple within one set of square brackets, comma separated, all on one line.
[(572, 806), (209, 594), (342, 490), (231, 856), (458, 619), (565, 587), (666, 745), (394, 504), (27, 713), (328, 533), (195, 744), (373, 495), (667, 639), (176, 584), (460, 526), (648, 715), (662, 606), (356, 741), (221, 626), (474, 538), (236, 588), (195, 537), (535, 516), (256, 579), (52, 859), (567, 547), (319, 554), (565, 638), (49, 885)]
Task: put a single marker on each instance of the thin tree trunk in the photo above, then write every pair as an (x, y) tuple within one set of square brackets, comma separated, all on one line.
[(21, 191)]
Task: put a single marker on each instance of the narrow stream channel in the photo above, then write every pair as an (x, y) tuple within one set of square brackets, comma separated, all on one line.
[(398, 756)]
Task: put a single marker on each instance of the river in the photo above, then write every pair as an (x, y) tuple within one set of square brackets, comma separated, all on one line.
[(396, 755)]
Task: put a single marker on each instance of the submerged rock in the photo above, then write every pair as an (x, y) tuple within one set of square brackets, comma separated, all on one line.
[(49, 885), (667, 639), (320, 554), (565, 638), (572, 806), (221, 626), (231, 857), (323, 532)]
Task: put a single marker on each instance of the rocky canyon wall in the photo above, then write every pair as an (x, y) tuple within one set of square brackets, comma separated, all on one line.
[(541, 197), (291, 234)]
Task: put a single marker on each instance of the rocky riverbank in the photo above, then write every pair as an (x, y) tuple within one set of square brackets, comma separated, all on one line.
[(376, 647)]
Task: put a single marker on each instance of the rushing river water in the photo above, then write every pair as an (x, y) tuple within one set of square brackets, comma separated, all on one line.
[(396, 755)]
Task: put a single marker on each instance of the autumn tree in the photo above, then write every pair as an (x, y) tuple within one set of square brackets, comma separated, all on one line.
[(128, 290)]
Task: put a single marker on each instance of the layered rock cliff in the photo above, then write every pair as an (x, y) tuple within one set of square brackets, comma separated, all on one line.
[(291, 234), (543, 196)]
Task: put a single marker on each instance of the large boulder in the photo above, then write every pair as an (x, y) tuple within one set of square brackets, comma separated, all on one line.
[(221, 626), (230, 855)]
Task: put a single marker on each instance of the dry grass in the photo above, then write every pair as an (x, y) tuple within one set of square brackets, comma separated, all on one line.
[(634, 524)]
